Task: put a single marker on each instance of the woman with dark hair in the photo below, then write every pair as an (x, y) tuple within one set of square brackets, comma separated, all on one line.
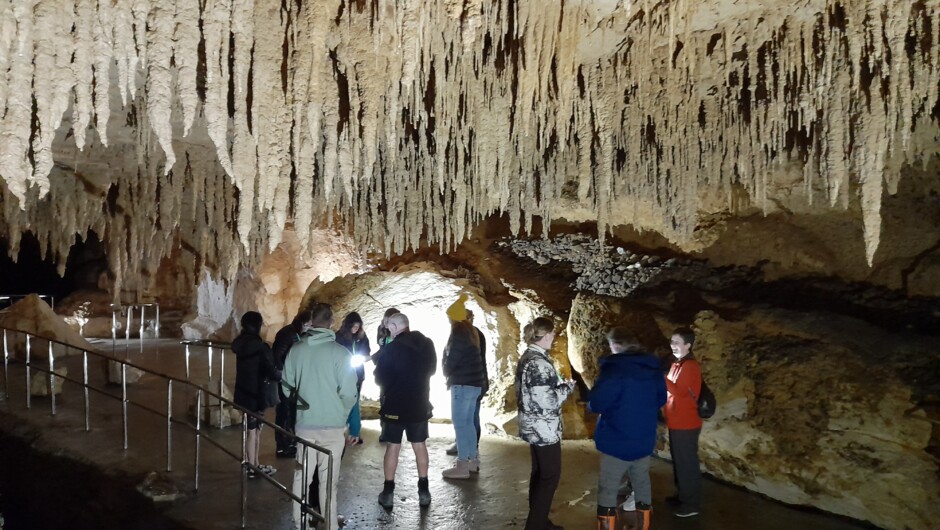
[(285, 412), (254, 364), (540, 391), (352, 336)]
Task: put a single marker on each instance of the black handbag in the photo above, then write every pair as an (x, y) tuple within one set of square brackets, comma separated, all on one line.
[(271, 399)]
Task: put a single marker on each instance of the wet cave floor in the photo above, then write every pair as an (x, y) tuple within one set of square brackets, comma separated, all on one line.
[(55, 475)]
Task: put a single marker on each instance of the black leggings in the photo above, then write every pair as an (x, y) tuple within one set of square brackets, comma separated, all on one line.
[(546, 471)]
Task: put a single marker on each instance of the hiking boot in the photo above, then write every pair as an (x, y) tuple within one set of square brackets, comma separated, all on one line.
[(452, 450), (460, 470), (685, 511)]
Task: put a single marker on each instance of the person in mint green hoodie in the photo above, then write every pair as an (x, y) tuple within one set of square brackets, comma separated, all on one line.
[(322, 372)]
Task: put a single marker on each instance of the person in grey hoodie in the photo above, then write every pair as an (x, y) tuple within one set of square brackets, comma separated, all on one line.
[(322, 372)]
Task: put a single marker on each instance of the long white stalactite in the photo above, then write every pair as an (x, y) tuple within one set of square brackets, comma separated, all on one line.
[(410, 121)]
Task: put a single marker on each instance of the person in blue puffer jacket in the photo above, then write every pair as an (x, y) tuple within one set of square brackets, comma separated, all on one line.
[(628, 394)]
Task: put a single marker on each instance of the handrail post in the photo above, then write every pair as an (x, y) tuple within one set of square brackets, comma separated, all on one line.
[(210, 361), (304, 488), (198, 435), (169, 425), (156, 324), (187, 362), (329, 491), (6, 366), (245, 465), (52, 379), (143, 308), (113, 329), (28, 382), (124, 400), (221, 386), (85, 388)]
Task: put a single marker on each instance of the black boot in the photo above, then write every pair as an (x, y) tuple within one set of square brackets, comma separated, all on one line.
[(387, 497), (424, 493)]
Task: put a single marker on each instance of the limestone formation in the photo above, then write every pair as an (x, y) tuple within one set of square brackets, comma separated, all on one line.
[(397, 121), (33, 315), (39, 382), (821, 410)]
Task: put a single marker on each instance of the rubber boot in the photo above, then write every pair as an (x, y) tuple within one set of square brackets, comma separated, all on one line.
[(644, 514), (606, 518)]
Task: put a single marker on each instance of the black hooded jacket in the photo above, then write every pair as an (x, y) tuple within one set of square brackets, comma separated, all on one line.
[(404, 371), (254, 362)]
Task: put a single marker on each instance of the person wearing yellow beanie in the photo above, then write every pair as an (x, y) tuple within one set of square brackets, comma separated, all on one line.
[(457, 312)]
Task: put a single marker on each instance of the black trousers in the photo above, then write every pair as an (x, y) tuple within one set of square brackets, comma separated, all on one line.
[(683, 446), (546, 471), (285, 416)]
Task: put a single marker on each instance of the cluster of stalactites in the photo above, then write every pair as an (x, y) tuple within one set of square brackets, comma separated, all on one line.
[(411, 120)]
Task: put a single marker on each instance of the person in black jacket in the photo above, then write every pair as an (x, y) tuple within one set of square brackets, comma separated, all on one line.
[(465, 373), (254, 363), (403, 371), (285, 412)]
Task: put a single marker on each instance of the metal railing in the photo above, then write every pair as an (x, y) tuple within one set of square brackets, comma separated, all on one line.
[(118, 309), (306, 508), (10, 299), (210, 346)]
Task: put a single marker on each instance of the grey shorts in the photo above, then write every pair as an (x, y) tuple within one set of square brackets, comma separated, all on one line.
[(417, 432)]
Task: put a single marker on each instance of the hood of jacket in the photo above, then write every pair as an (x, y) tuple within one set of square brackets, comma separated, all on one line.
[(633, 364), (317, 336)]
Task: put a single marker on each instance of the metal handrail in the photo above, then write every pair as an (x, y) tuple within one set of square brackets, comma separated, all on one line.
[(118, 308), (305, 508), (13, 297)]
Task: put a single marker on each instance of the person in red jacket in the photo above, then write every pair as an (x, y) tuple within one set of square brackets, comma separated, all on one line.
[(683, 385)]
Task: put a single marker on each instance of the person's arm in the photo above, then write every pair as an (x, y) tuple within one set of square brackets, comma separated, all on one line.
[(355, 421), (289, 375), (486, 372), (268, 368), (606, 392), (346, 376), (661, 391), (431, 357)]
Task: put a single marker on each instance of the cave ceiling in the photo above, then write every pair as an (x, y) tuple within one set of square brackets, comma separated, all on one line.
[(213, 125)]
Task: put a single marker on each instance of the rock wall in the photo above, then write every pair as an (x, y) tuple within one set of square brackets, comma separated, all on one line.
[(822, 410)]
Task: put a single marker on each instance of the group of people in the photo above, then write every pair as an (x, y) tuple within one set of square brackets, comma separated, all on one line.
[(628, 394), (320, 374)]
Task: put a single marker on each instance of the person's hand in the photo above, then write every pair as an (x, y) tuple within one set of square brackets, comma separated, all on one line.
[(353, 440)]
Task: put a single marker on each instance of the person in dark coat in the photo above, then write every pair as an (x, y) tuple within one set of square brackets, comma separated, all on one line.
[(628, 394), (254, 364), (286, 412), (463, 368), (403, 372)]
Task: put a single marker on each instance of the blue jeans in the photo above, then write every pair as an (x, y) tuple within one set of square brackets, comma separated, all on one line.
[(463, 402)]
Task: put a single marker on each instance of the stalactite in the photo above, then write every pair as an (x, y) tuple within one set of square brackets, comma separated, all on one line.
[(160, 77), (185, 45), (407, 122), (215, 30), (104, 48), (15, 131), (82, 70)]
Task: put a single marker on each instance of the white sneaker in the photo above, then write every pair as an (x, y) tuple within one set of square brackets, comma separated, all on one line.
[(629, 505)]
